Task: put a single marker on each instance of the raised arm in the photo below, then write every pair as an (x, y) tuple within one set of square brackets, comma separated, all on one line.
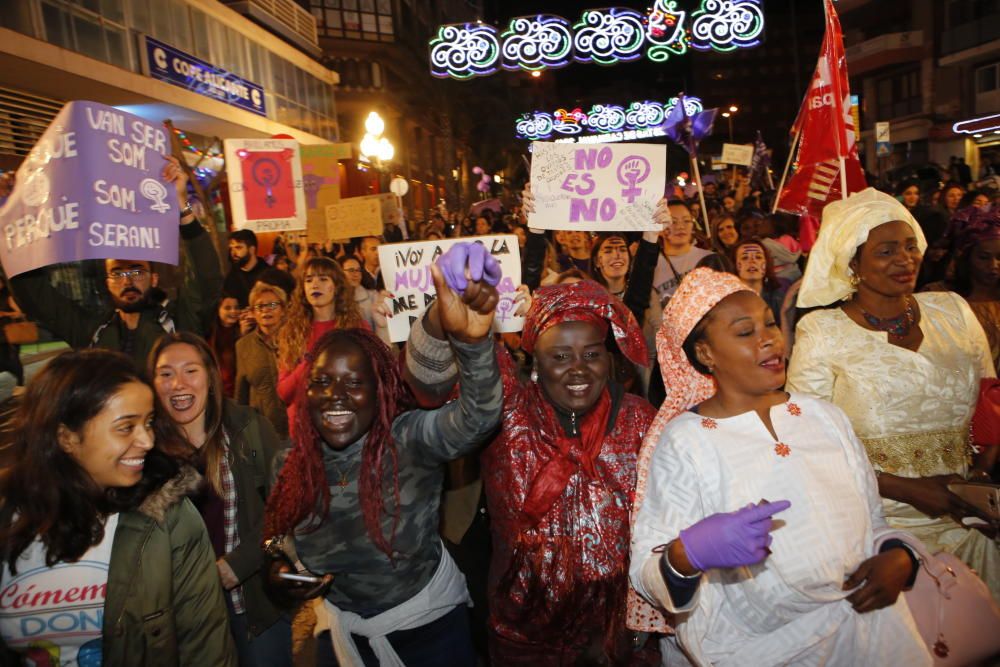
[(640, 282), (464, 309)]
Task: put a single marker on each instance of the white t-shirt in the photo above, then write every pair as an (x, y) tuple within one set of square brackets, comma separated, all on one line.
[(665, 280), (53, 616)]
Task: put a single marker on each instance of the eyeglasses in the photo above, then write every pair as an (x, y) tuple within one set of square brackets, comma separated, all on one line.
[(120, 276), (270, 305)]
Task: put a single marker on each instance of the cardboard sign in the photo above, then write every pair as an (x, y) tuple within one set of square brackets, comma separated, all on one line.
[(406, 268), (741, 154), (91, 189), (320, 181), (354, 216), (613, 187), (266, 189)]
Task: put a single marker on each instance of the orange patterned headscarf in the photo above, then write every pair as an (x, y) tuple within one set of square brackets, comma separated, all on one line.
[(699, 292)]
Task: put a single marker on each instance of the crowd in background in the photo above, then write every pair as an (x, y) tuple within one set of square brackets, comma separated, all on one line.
[(270, 407)]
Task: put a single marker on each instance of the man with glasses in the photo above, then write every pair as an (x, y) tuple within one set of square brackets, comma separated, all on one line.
[(141, 311)]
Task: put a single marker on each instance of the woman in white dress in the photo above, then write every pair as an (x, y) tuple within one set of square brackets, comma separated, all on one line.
[(905, 368), (817, 585)]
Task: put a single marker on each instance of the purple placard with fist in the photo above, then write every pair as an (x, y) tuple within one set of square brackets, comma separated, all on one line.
[(91, 188)]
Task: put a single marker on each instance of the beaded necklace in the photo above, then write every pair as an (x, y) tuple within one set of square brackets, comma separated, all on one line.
[(897, 327)]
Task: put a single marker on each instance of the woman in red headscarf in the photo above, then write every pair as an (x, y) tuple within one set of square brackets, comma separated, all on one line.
[(559, 477)]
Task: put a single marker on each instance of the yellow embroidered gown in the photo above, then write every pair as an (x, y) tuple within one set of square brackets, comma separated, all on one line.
[(910, 409)]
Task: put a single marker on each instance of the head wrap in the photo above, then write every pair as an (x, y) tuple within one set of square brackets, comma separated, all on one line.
[(846, 225), (699, 292), (585, 301), (972, 226)]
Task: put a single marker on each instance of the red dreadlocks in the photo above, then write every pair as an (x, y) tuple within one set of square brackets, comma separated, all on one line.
[(303, 479)]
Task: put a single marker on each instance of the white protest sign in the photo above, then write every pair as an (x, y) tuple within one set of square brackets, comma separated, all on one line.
[(596, 188), (406, 268), (266, 189), (741, 154)]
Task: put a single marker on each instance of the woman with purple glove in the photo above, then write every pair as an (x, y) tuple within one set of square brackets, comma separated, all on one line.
[(813, 578), (559, 476)]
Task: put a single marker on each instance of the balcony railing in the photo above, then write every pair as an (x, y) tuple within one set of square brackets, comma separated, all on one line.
[(284, 17)]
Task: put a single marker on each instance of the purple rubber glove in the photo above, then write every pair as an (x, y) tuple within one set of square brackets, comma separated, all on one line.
[(472, 256), (732, 539)]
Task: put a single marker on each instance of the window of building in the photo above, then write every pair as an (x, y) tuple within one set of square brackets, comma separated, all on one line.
[(898, 95), (987, 78), (354, 19)]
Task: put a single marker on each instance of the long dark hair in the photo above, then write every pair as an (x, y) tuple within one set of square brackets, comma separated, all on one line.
[(215, 446), (44, 493), (302, 490), (595, 272)]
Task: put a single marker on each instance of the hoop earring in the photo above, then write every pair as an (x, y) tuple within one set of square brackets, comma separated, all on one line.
[(855, 280)]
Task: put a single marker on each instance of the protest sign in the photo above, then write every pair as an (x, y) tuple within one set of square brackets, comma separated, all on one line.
[(354, 216), (266, 189), (91, 189), (320, 180), (406, 268), (596, 188), (741, 154)]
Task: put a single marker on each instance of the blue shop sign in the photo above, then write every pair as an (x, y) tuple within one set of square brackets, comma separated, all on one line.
[(168, 64)]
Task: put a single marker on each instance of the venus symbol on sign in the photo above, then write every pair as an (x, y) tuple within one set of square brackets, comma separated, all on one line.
[(153, 190), (631, 171), (267, 173)]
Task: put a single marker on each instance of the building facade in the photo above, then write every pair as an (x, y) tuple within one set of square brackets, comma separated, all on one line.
[(209, 70), (926, 68), (380, 49)]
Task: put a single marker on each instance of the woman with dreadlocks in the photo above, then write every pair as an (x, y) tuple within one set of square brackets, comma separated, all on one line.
[(322, 301), (359, 492), (559, 477)]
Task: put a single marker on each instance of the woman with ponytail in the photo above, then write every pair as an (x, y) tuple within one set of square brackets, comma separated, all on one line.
[(358, 492)]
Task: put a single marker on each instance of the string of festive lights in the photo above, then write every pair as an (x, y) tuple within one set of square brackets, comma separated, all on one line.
[(603, 36), (188, 145), (601, 119)]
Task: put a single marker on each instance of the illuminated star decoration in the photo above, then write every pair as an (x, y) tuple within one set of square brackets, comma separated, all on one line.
[(686, 129)]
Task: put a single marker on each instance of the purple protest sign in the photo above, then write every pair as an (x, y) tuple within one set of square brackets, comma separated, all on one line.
[(91, 189)]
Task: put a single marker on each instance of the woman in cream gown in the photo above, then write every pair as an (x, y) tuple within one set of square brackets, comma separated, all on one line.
[(909, 398)]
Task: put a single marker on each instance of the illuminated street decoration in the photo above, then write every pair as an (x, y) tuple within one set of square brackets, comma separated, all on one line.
[(727, 25), (603, 36), (464, 51), (609, 36), (644, 117), (536, 43), (977, 125), (665, 31)]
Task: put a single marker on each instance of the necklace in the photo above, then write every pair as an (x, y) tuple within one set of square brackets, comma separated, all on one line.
[(342, 482), (897, 327)]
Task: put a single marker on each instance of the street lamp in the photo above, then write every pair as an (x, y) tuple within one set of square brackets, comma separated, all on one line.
[(728, 115), (374, 147)]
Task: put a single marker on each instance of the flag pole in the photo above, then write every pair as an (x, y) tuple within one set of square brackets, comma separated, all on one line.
[(784, 174), (701, 191), (843, 178)]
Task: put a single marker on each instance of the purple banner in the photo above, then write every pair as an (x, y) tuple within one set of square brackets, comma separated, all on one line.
[(91, 189)]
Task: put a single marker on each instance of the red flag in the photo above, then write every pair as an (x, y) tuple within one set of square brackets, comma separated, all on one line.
[(827, 136)]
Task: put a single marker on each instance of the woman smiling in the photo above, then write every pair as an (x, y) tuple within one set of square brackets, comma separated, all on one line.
[(359, 491), (233, 447), (745, 588), (94, 523)]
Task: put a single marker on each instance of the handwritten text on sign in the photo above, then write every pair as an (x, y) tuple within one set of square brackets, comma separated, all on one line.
[(406, 268), (266, 188), (596, 188), (354, 216), (91, 189)]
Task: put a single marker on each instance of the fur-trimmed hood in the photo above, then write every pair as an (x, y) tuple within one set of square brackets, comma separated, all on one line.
[(157, 503)]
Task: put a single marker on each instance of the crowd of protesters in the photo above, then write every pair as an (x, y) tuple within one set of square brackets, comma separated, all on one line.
[(731, 440)]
